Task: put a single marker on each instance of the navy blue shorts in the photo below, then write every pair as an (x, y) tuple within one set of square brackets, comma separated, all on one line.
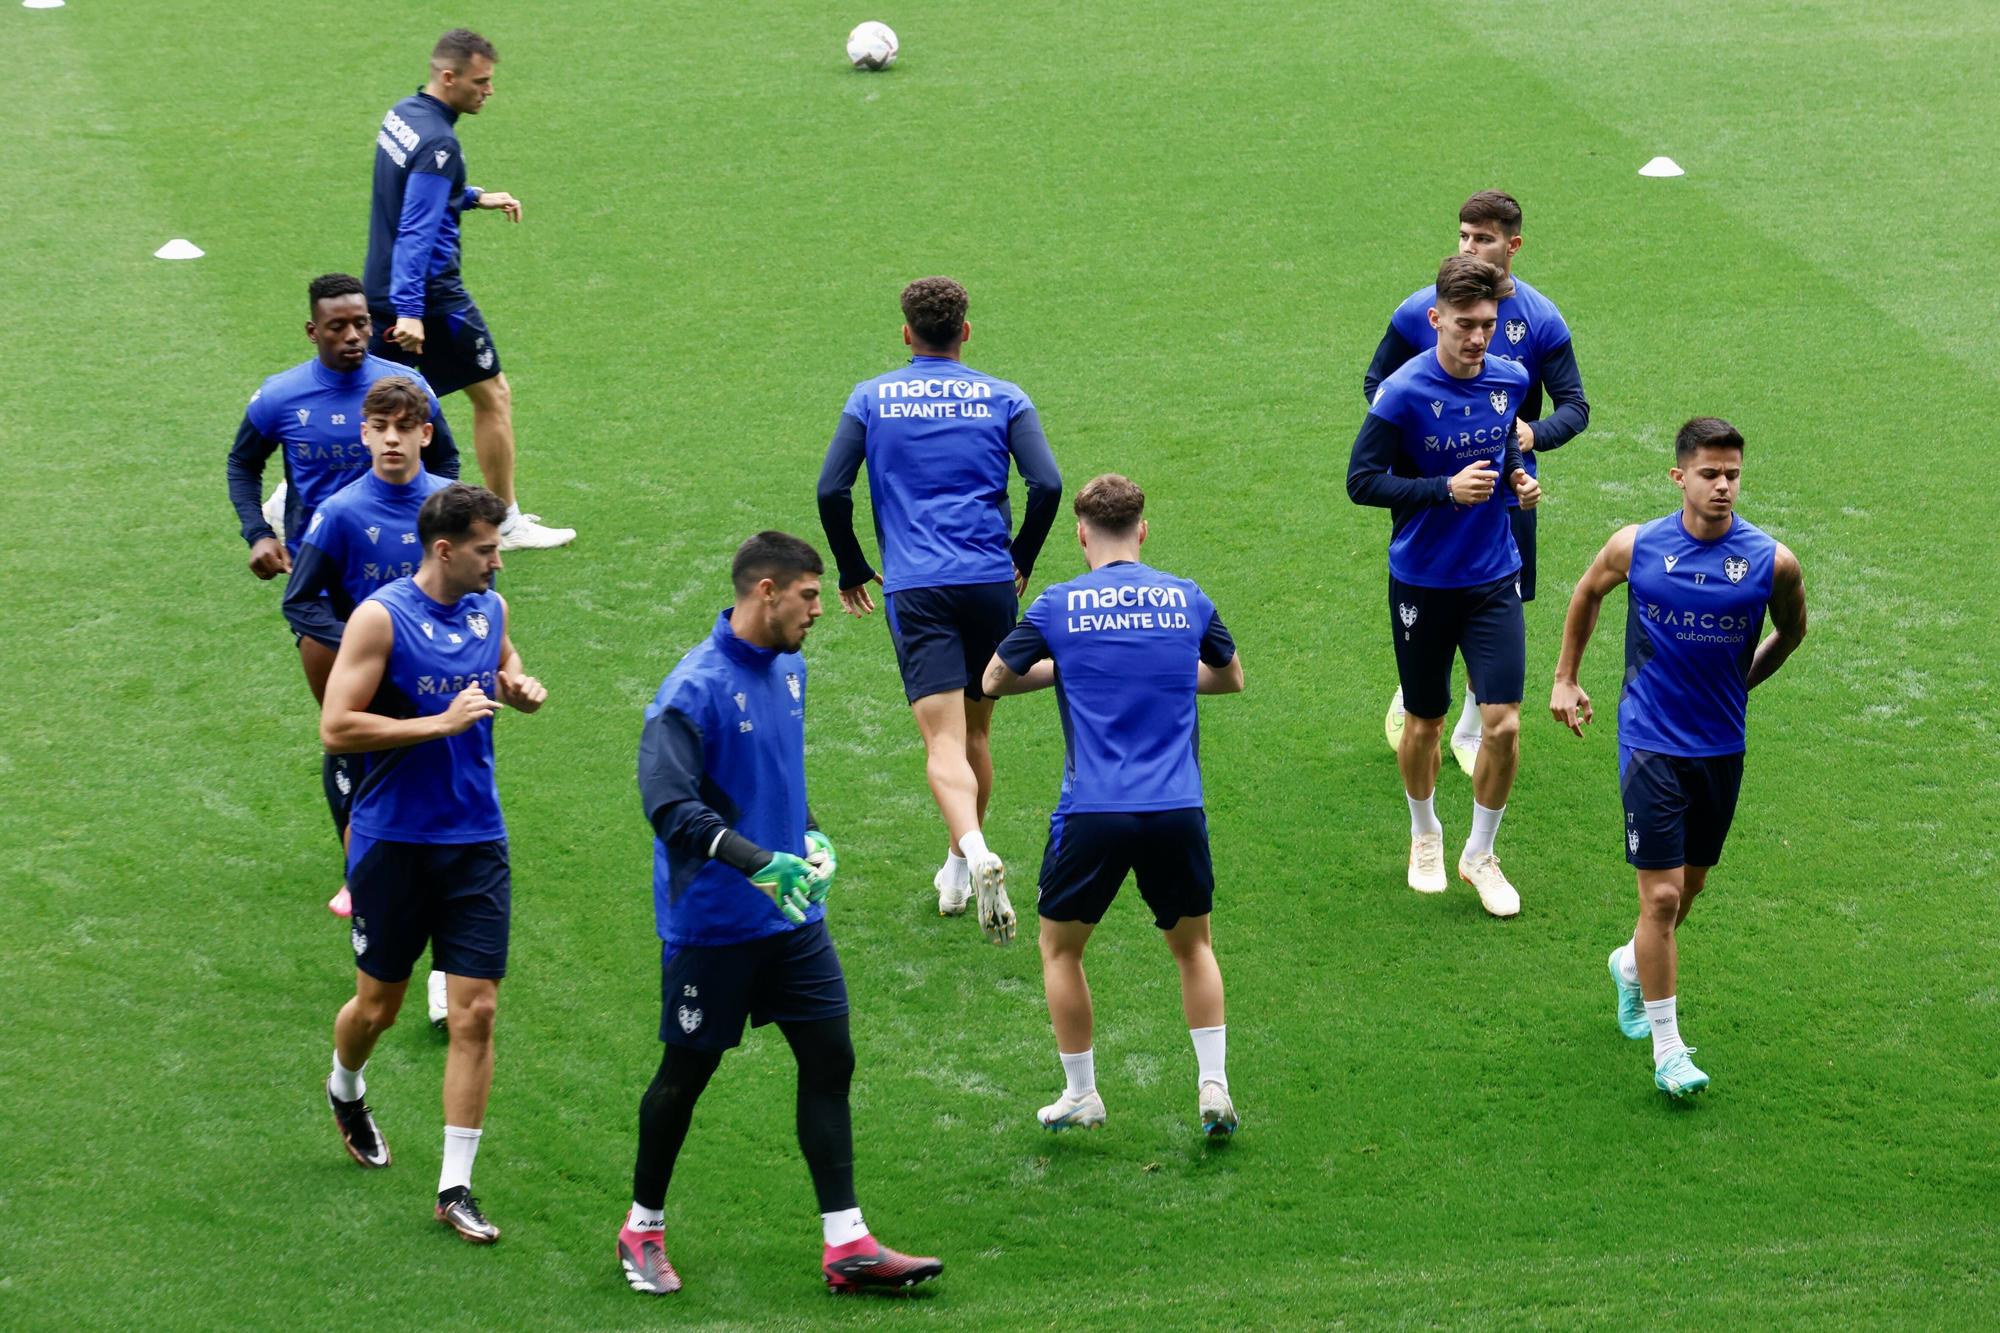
[(458, 348), (1432, 626), (1677, 808), (707, 990), (944, 637), (1523, 521), (1090, 854), (337, 775), (455, 897)]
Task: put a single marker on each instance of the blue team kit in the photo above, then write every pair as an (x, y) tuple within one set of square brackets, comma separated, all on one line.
[(1127, 641), (1696, 611), (360, 541), (312, 416)]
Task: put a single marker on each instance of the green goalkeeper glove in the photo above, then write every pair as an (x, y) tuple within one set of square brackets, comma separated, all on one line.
[(784, 877), (819, 855)]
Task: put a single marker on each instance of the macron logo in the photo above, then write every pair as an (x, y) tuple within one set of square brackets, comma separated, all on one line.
[(442, 156), (1437, 408), (372, 531), (304, 414)]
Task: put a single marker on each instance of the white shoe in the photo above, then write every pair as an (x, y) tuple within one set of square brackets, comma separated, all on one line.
[(989, 885), (1067, 1112), (1218, 1113), (1427, 863), (1496, 895), (274, 512), (530, 535), (439, 1009), (1392, 725), (953, 892), (1465, 749)]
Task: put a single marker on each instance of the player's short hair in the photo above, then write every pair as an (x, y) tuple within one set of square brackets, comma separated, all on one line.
[(455, 50), (1705, 433), (1463, 280), (777, 556), (1498, 207), (451, 512), (1112, 504), (329, 285), (399, 398), (935, 310)]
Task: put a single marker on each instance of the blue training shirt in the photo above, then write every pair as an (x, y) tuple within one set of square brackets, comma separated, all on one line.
[(419, 191), (442, 790), (938, 438), (362, 539), (723, 747), (1126, 639), (1425, 426), (313, 415), (1695, 613)]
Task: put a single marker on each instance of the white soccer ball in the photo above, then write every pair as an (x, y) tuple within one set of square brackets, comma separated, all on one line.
[(872, 45)]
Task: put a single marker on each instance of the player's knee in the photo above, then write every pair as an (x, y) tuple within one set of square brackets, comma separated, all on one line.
[(377, 1013), (1502, 729), (1422, 728), (474, 1019), (829, 1068), (1660, 899)]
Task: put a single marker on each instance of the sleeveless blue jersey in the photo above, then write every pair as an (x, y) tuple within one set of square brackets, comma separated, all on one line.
[(1530, 328), (937, 472), (369, 531), (439, 791), (1696, 613), (1126, 639), (1445, 424)]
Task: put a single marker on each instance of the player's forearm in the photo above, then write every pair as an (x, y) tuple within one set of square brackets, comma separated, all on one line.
[(351, 731), (1771, 654), (1002, 680), (844, 454), (1043, 503), (245, 471), (1579, 623), (1371, 479), (1570, 416)]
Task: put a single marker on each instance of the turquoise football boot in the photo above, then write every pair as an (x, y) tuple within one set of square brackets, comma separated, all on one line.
[(1678, 1077), (1632, 1020)]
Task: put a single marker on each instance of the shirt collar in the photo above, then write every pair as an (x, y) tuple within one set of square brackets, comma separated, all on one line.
[(740, 650), (443, 110), (336, 379)]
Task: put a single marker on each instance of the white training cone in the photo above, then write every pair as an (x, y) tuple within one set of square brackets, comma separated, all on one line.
[(178, 249), (1662, 166), (41, 4)]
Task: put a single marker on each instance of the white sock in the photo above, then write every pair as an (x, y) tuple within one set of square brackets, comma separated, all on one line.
[(513, 517), (348, 1085), (955, 871), (642, 1218), (1468, 720), (973, 845), (842, 1227), (1628, 963), (1485, 823), (1423, 814), (1081, 1071), (460, 1147), (1210, 1045), (1666, 1029)]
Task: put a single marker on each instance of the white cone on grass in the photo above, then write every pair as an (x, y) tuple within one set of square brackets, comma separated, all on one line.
[(1662, 166), (41, 4), (179, 248)]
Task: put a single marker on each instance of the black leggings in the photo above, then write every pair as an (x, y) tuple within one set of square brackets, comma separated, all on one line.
[(825, 1056)]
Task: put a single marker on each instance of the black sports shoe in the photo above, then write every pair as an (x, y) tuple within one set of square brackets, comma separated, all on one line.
[(457, 1209), (356, 1123)]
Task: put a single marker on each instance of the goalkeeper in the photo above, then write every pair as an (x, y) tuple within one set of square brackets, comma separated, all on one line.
[(740, 880)]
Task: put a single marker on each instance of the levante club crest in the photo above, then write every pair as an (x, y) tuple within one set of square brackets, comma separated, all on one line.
[(1517, 329), (1736, 567), (1499, 400)]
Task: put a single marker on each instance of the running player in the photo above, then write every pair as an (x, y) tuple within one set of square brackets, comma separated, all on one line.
[(1531, 331), (937, 436), (424, 665), (1128, 648), (1699, 583), (360, 540), (423, 315), (1438, 449), (740, 879), (310, 416)]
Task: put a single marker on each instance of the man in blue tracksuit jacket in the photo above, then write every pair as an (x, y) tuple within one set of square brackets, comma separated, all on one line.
[(740, 879)]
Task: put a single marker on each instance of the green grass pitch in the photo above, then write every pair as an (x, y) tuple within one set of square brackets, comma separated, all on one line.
[(1183, 227)]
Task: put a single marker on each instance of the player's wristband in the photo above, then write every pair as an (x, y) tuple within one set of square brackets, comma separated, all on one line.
[(738, 852)]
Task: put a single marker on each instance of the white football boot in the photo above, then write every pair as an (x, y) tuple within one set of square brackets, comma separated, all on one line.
[(440, 1010), (1496, 895), (530, 534), (1392, 724), (1427, 862), (953, 891), (1218, 1113), (989, 885), (1067, 1112)]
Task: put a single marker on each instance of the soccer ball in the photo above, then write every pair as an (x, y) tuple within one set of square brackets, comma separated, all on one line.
[(872, 45)]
